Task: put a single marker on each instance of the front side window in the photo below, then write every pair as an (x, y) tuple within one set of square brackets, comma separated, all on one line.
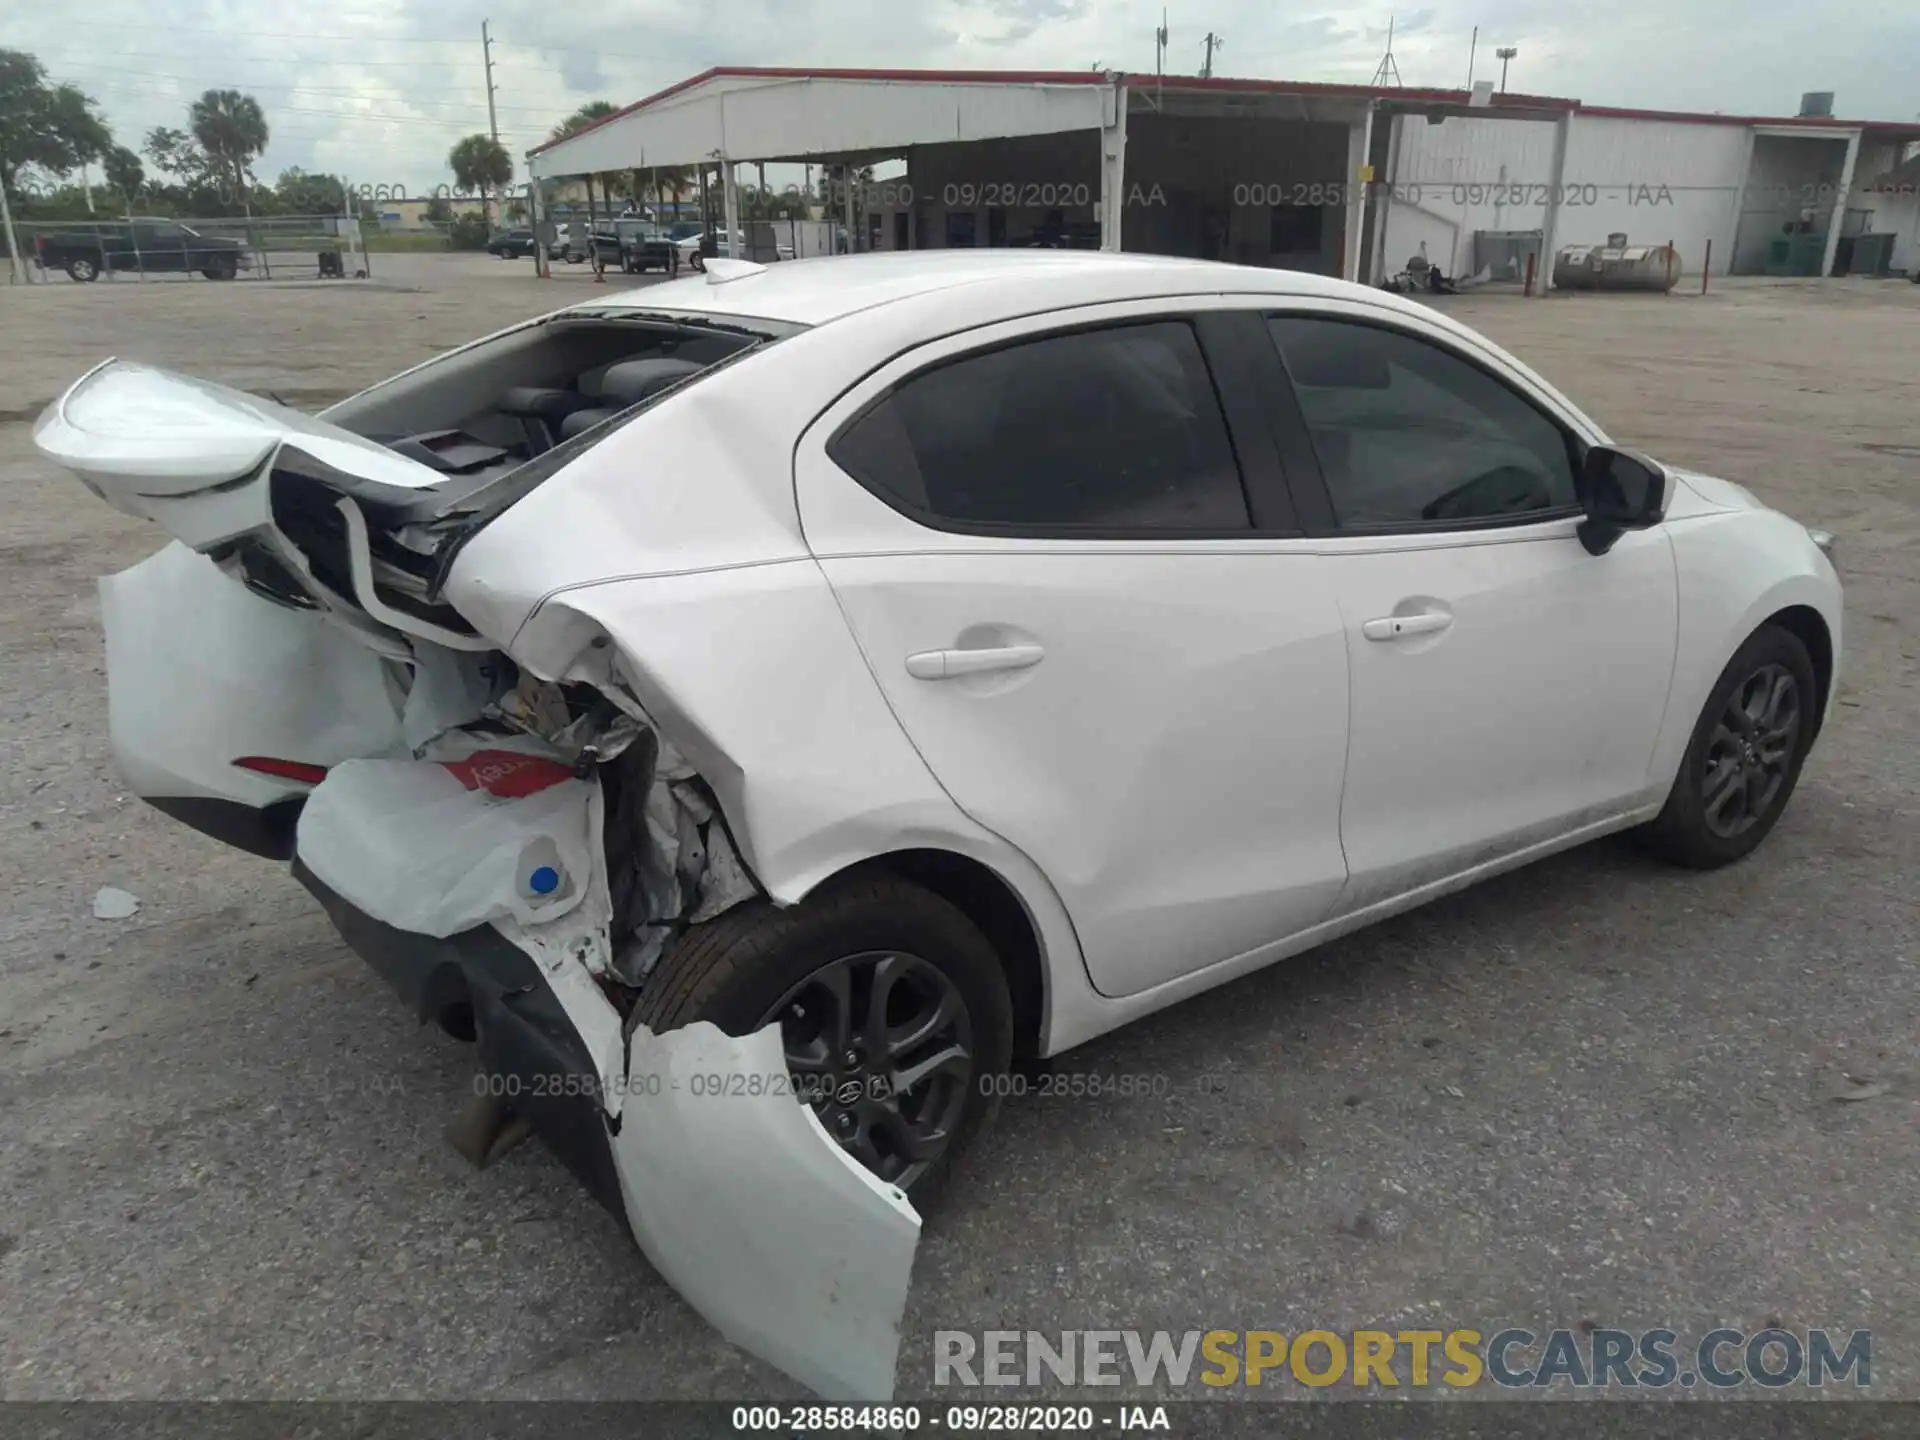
[(1112, 429), (1408, 433)]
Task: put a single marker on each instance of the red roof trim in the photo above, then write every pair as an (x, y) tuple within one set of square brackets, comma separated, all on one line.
[(1357, 92), (1694, 117), (1228, 84)]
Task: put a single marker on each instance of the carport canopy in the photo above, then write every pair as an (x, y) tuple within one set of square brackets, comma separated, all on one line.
[(729, 115), (833, 117)]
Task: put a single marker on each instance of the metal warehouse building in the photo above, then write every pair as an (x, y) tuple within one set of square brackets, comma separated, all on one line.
[(1338, 179)]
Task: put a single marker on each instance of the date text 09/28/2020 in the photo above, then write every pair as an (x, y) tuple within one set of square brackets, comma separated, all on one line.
[(953, 1419), (814, 1089)]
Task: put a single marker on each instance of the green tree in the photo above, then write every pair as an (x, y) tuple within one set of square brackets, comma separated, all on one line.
[(297, 192), (481, 163), (125, 173), (439, 212), (587, 114), (232, 131), (468, 231), (51, 127), (176, 153)]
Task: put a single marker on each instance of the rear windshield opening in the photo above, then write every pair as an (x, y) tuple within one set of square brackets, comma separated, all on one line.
[(494, 420)]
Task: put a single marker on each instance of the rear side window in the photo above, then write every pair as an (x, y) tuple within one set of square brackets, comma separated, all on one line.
[(1410, 434), (1109, 429)]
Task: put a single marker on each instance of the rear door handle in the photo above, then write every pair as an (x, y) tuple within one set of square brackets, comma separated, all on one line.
[(1395, 627), (948, 664)]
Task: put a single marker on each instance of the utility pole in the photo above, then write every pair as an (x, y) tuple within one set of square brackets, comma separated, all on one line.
[(1506, 53), (1213, 42), (493, 121), (1472, 45)]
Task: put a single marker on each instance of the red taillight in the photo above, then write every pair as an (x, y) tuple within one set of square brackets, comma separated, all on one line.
[(283, 769)]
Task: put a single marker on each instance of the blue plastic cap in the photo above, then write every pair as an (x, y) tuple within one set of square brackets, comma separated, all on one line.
[(544, 881)]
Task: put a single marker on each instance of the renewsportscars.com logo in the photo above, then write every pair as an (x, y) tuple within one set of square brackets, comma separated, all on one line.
[(1597, 1358)]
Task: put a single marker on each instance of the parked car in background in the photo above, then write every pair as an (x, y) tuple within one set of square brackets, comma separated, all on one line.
[(512, 244), (644, 246), (692, 253), (142, 246)]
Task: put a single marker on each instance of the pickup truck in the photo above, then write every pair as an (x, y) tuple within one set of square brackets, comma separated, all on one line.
[(142, 246)]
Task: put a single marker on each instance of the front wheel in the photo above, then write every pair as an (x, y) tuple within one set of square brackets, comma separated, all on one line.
[(892, 1007), (1744, 759), (220, 272)]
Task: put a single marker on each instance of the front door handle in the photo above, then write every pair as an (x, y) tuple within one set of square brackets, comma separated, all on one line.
[(948, 664), (1396, 627)]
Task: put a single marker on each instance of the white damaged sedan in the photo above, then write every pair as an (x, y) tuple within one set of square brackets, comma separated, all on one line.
[(757, 709)]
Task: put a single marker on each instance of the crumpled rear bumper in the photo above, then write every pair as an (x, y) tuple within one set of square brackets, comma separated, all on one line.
[(529, 1050), (728, 1184)]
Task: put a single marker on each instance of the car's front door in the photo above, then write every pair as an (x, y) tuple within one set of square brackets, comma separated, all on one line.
[(1507, 687), (162, 247), (1070, 575)]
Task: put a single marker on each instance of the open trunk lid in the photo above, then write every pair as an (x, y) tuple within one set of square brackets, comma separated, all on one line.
[(304, 512), (147, 440)]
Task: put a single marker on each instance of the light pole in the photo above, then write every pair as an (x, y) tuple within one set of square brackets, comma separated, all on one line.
[(1506, 53)]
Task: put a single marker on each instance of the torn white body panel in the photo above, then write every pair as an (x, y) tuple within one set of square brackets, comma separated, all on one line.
[(181, 714), (731, 1187), (777, 1236), (476, 831)]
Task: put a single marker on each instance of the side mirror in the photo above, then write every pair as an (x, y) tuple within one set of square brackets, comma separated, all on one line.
[(1621, 490)]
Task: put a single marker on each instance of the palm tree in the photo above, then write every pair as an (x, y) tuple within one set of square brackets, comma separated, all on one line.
[(232, 130), (579, 120), (673, 180), (481, 163), (124, 172)]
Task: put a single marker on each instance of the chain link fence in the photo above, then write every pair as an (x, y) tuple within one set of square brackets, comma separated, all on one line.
[(134, 247)]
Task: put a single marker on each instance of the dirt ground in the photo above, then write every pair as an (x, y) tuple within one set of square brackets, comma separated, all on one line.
[(1597, 1091)]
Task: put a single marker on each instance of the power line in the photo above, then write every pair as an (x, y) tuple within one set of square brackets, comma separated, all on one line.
[(427, 122), (309, 89), (354, 61), (290, 35)]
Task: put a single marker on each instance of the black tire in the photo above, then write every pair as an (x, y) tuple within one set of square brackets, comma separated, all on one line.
[(1691, 830), (220, 272), (739, 970), (83, 269)]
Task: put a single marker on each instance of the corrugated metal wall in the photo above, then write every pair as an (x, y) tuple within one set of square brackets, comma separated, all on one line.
[(1656, 180), (1789, 174), (1894, 211)]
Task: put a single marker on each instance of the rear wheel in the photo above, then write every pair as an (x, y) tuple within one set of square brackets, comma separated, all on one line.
[(83, 269), (892, 1007), (1745, 755)]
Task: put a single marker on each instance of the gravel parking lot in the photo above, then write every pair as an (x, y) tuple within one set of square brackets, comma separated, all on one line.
[(1593, 1092)]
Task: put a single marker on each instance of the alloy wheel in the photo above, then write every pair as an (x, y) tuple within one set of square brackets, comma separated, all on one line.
[(1751, 751), (880, 1044)]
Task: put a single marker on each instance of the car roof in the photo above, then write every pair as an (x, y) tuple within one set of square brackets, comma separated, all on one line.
[(819, 290)]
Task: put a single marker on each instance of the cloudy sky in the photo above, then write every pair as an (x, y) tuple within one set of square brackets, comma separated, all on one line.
[(380, 91)]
